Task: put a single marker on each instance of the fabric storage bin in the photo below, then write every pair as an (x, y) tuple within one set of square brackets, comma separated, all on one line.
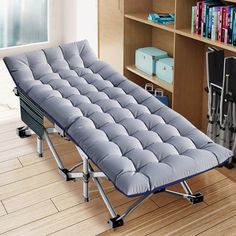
[(146, 58), (165, 69), (157, 93)]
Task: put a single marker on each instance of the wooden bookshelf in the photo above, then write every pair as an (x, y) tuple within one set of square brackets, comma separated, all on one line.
[(186, 94)]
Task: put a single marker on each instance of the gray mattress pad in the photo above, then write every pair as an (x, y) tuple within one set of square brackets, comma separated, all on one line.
[(139, 143)]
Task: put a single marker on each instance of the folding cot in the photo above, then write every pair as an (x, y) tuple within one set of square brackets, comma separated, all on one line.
[(136, 142)]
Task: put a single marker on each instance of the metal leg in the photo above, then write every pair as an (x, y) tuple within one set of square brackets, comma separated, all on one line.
[(186, 188), (85, 179), (119, 220), (105, 198), (135, 205), (88, 172), (40, 146), (189, 195), (103, 193), (53, 150)]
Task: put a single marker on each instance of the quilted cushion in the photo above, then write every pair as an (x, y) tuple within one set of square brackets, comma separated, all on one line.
[(140, 144)]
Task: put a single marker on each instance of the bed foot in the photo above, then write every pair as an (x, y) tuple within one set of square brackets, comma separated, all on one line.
[(23, 132), (66, 174), (230, 165), (234, 160), (40, 147), (116, 222), (86, 199), (196, 198)]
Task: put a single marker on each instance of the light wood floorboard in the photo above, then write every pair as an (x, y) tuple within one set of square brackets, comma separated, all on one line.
[(2, 209), (27, 215), (10, 165)]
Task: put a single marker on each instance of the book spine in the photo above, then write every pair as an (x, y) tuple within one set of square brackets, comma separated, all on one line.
[(202, 17), (219, 24), (224, 30), (227, 24), (199, 17), (209, 24), (196, 20), (214, 24), (231, 25), (193, 20), (234, 28)]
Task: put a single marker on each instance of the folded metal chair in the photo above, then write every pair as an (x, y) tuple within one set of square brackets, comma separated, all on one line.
[(215, 70), (228, 101), (221, 75), (136, 142)]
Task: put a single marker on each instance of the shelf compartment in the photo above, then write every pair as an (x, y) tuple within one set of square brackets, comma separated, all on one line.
[(187, 33), (142, 18), (160, 83)]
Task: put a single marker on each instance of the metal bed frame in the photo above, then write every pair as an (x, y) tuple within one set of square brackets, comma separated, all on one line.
[(33, 117)]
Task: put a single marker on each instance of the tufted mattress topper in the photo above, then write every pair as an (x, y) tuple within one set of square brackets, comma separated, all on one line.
[(140, 144)]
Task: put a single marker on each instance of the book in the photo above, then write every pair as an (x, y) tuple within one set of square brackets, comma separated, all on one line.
[(200, 6), (203, 14), (230, 31), (209, 23), (228, 18), (234, 28), (215, 13), (193, 23), (203, 19), (224, 25), (219, 24)]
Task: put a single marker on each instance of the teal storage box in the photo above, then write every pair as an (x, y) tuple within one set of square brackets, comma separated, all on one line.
[(165, 69), (146, 58)]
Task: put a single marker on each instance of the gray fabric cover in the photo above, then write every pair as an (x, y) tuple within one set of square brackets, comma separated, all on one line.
[(140, 144)]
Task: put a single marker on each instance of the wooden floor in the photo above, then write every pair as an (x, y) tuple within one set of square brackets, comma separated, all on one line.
[(35, 200)]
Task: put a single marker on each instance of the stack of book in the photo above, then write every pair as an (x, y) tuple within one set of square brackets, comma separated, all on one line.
[(215, 20)]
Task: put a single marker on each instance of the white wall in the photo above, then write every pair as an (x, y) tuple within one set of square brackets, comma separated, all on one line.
[(81, 21), (70, 20), (56, 34), (56, 30)]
